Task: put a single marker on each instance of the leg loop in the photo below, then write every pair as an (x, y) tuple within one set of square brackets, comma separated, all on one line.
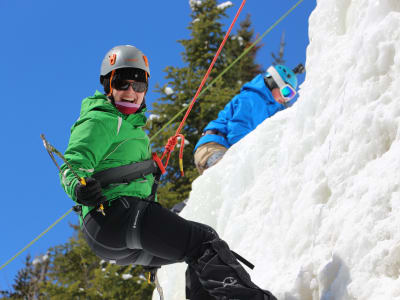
[(133, 240)]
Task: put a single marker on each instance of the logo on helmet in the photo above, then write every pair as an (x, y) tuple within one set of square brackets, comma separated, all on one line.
[(146, 62), (113, 59)]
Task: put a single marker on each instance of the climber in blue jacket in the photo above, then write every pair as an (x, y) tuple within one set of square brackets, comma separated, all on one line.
[(258, 100)]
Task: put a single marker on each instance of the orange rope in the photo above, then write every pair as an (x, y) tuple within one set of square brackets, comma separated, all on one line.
[(172, 141)]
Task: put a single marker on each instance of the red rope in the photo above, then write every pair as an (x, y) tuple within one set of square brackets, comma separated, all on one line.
[(172, 141)]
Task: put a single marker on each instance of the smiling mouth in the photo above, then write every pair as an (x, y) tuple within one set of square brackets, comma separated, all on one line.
[(126, 100)]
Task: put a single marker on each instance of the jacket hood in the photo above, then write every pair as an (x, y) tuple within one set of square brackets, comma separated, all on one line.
[(258, 85)]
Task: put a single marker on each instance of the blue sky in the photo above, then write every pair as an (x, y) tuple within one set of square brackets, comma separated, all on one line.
[(51, 54)]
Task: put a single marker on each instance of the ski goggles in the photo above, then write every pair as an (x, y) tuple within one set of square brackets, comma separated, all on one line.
[(123, 85), (286, 90)]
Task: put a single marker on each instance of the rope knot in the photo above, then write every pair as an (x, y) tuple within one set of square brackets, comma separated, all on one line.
[(172, 141), (170, 146)]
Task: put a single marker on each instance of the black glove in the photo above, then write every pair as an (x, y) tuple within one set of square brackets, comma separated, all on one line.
[(89, 194)]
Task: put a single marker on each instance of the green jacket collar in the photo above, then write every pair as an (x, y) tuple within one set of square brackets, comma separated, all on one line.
[(100, 102)]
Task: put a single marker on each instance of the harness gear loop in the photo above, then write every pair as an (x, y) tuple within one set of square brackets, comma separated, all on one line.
[(172, 141)]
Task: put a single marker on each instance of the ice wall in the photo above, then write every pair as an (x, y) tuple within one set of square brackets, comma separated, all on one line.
[(312, 196)]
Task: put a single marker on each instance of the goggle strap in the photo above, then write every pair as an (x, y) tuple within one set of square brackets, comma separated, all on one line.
[(275, 75)]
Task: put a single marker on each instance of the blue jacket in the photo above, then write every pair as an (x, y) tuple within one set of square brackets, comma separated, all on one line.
[(243, 113)]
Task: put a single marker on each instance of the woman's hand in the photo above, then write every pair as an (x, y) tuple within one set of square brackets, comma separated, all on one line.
[(89, 194)]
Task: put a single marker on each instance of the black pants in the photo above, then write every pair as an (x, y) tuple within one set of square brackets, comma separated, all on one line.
[(164, 237)]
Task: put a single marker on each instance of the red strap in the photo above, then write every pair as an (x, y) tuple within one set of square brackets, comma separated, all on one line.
[(158, 162)]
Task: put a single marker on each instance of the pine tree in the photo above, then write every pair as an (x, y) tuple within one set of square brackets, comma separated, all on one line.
[(23, 283), (73, 271), (206, 34), (278, 59)]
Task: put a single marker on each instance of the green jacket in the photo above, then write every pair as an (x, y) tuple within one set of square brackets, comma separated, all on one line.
[(104, 138)]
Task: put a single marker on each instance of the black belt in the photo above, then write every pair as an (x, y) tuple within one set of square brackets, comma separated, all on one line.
[(127, 173)]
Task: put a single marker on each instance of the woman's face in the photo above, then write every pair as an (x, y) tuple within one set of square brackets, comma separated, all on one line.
[(129, 95)]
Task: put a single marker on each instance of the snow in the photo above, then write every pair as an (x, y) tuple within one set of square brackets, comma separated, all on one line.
[(312, 196), (168, 90), (224, 5), (239, 38), (186, 142), (40, 259), (126, 276), (194, 3), (153, 117)]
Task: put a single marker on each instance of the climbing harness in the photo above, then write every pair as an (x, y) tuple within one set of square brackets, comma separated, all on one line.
[(128, 173)]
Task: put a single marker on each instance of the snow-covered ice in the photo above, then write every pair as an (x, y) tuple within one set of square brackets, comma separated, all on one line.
[(312, 196)]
